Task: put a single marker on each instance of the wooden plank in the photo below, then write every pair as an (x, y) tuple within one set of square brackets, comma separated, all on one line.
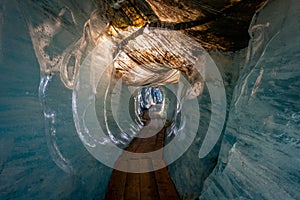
[(160, 140), (147, 145), (121, 163), (142, 186), (149, 189), (113, 195), (134, 145), (116, 189), (132, 187), (134, 164), (165, 185), (146, 165)]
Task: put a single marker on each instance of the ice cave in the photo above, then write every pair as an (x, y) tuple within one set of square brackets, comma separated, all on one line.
[(150, 99)]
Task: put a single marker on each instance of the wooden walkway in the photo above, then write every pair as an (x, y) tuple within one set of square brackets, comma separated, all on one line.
[(153, 185)]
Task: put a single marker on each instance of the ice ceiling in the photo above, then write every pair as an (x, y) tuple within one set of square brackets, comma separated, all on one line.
[(218, 24)]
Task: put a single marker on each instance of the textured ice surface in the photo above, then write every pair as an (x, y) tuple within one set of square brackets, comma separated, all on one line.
[(259, 158), (189, 172), (27, 170)]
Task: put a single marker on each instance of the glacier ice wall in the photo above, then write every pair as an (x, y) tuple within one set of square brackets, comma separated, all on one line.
[(27, 170), (189, 172), (259, 157)]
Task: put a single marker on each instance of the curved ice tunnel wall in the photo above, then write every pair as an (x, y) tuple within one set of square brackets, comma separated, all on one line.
[(259, 157)]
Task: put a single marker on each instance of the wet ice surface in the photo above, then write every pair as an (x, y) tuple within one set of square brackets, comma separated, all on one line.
[(189, 172), (27, 170), (259, 158)]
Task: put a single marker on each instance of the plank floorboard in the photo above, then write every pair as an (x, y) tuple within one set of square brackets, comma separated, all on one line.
[(153, 185)]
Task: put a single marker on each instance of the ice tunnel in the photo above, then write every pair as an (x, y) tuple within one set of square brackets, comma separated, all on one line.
[(150, 99)]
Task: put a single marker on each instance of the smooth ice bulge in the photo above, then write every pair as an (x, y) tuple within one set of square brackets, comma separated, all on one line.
[(260, 149)]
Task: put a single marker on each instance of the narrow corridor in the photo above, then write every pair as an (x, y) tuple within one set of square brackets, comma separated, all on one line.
[(150, 185)]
